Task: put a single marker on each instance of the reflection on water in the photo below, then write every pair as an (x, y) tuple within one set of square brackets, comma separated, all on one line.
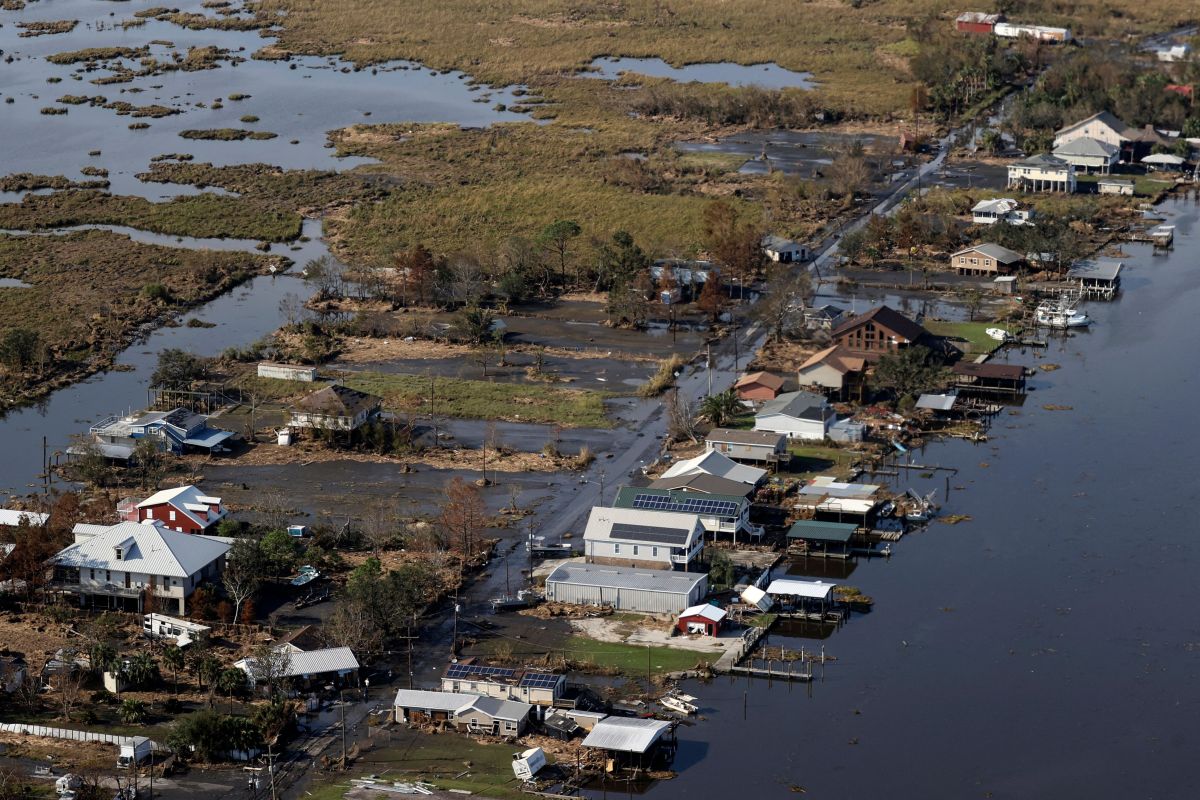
[(765, 76)]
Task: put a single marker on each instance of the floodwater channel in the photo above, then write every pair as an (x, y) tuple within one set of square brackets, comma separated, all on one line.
[(1046, 647)]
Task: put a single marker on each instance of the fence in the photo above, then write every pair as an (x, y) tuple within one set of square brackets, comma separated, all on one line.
[(65, 733)]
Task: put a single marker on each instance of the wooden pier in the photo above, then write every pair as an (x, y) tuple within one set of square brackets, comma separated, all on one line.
[(775, 673)]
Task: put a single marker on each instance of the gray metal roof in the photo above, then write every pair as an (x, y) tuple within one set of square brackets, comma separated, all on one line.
[(621, 578), (1096, 270), (822, 531), (1087, 147), (626, 734), (800, 405), (147, 549), (641, 525), (937, 402), (494, 707), (703, 483), (992, 250), (433, 701), (752, 438), (1044, 161)]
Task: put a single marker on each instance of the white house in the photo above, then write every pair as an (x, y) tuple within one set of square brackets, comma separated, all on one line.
[(335, 407), (287, 372), (1115, 186), (1176, 52), (1089, 155), (783, 250), (799, 415), (1042, 173), (1104, 127), (330, 664), (1001, 209), (718, 465), (131, 561), (536, 686), (637, 537), (465, 712)]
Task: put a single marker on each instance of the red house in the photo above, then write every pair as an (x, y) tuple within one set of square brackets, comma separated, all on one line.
[(703, 619), (758, 386), (184, 509), (977, 22)]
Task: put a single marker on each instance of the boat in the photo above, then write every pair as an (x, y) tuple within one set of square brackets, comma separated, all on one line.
[(1061, 314), (679, 702), (522, 599), (1162, 235), (308, 574), (999, 334)]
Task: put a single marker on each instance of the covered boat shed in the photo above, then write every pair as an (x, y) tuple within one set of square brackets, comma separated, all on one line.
[(820, 538), (803, 593), (1097, 279), (989, 378), (631, 742)]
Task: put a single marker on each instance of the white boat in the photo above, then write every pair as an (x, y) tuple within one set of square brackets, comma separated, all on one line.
[(1060, 314), (680, 703), (999, 334)]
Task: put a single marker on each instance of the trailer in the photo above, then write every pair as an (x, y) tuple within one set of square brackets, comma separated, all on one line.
[(160, 626), (134, 752), (528, 763)]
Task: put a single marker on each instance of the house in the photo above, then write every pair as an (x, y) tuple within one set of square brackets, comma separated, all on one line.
[(1176, 52), (1000, 209), (880, 330), (1089, 155), (642, 590), (493, 716), (422, 707), (178, 431), (185, 509), (631, 741), (976, 22), (703, 483), (1042, 173), (1043, 33), (287, 372), (1097, 279), (687, 278), (305, 668), (985, 258), (784, 251), (717, 513), (823, 317), (13, 518), (988, 378), (1115, 186), (836, 371), (704, 619), (798, 415), (130, 562), (1103, 127), (536, 686), (184, 632), (718, 464), (642, 538), (757, 446), (336, 407), (758, 386)]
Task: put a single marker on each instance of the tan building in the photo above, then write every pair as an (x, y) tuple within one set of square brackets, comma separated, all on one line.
[(985, 259), (835, 370), (747, 445)]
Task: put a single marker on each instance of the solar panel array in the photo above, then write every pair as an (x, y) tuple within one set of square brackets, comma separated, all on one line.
[(697, 505), (649, 533), (539, 680), (460, 671)]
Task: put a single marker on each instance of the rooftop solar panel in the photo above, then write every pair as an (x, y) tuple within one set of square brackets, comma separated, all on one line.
[(648, 533), (706, 507)]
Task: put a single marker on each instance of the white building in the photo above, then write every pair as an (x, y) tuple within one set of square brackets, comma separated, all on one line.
[(336, 664), (287, 372), (336, 408), (718, 465), (1001, 209), (784, 251), (644, 590), (1115, 186), (1177, 52), (1042, 173), (798, 415), (718, 513), (121, 566), (1089, 155), (1103, 127), (638, 537)]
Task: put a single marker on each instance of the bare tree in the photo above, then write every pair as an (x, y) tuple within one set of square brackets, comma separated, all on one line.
[(681, 417), (380, 525), (243, 573)]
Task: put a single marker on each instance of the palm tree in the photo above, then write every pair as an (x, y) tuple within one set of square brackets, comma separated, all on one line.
[(132, 711), (719, 409), (229, 680), (173, 659), (143, 670)]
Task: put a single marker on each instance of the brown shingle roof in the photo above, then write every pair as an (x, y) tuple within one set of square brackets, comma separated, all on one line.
[(772, 382), (1006, 372), (337, 401), (889, 318), (837, 357)]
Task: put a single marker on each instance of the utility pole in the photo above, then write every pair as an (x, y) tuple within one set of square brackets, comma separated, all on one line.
[(530, 549), (708, 365), (433, 413), (342, 708)]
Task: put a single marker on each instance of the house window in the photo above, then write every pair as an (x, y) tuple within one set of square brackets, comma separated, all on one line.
[(654, 552), (93, 573), (172, 515), (962, 259), (617, 547), (118, 552), (149, 513), (635, 549), (108, 576)]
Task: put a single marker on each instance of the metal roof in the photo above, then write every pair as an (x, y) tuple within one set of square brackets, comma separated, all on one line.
[(822, 531), (88, 529), (703, 483), (793, 588), (718, 464), (9, 516), (433, 701), (992, 250), (302, 663), (642, 525), (999, 205), (147, 549), (705, 505), (827, 486), (706, 610), (621, 578), (937, 402), (799, 405), (754, 438), (626, 734), (1087, 147), (208, 438), (1096, 270), (494, 707), (185, 499)]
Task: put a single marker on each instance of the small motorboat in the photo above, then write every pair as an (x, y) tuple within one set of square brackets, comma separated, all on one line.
[(1061, 314), (680, 703), (999, 334), (308, 574)]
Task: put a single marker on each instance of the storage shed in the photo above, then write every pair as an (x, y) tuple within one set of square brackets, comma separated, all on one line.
[(647, 591), (705, 619), (287, 372)]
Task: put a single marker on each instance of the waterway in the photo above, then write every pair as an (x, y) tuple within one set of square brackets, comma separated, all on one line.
[(764, 76), (1046, 647)]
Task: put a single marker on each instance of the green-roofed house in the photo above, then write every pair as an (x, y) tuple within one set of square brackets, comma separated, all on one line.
[(718, 513), (820, 538)]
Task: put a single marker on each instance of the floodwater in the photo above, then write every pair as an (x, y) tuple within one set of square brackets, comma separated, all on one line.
[(1047, 647), (300, 100), (764, 76), (803, 153)]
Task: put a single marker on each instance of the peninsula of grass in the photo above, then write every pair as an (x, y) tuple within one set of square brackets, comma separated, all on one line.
[(49, 28), (98, 54), (470, 399), (292, 189), (202, 215), (226, 134)]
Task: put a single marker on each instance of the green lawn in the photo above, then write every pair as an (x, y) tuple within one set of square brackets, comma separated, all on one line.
[(809, 460), (631, 660), (1143, 185), (441, 760), (468, 399), (970, 337)]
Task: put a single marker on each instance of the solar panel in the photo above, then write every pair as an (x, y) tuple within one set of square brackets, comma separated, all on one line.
[(698, 505), (459, 671), (649, 533), (539, 680)]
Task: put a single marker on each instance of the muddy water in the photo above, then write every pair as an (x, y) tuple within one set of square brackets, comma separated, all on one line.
[(1048, 647)]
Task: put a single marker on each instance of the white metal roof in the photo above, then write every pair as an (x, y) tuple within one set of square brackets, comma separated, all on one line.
[(626, 734), (188, 500), (714, 463), (999, 205), (602, 520), (848, 505), (433, 701), (83, 530), (708, 611), (147, 549), (937, 402), (10, 516), (790, 587), (1163, 158), (754, 596), (308, 662), (653, 580)]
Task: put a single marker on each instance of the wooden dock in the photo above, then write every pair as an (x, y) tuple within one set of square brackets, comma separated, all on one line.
[(775, 673)]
